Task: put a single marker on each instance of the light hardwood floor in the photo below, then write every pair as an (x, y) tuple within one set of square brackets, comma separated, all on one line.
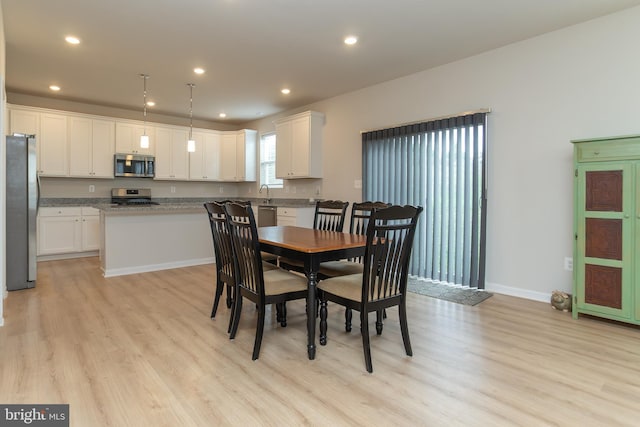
[(141, 350)]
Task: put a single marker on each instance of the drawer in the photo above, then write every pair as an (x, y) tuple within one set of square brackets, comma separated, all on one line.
[(287, 212), (60, 211), (605, 150)]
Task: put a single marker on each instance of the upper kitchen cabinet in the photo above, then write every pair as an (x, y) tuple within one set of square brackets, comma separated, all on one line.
[(172, 158), (91, 147), (128, 138), (239, 155), (52, 145), (26, 122), (51, 138), (299, 146), (204, 163)]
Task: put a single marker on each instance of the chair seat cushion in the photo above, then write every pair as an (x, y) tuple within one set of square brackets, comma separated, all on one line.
[(266, 266), (349, 287), (340, 268), (279, 281)]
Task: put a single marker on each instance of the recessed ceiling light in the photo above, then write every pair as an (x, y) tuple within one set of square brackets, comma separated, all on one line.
[(150, 103), (198, 70), (286, 91), (54, 88), (350, 40), (72, 40), (222, 115)]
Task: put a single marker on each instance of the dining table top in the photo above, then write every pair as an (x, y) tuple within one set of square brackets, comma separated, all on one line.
[(309, 240)]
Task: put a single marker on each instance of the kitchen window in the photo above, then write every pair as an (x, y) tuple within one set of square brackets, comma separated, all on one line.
[(268, 161)]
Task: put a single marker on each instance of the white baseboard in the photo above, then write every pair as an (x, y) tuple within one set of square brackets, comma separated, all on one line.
[(71, 255), (156, 267), (517, 292)]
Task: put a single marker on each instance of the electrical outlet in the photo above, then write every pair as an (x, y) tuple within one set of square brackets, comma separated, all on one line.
[(318, 190), (357, 184), (221, 190), (173, 189), (92, 189), (568, 263)]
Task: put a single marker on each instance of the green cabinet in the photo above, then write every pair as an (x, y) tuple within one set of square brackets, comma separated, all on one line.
[(606, 273)]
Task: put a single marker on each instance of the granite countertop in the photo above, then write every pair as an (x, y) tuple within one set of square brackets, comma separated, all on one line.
[(166, 204)]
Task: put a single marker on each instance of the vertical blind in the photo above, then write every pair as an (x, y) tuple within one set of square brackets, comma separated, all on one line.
[(441, 166)]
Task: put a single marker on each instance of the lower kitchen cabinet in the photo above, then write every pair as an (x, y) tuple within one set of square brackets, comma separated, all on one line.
[(68, 230), (299, 217)]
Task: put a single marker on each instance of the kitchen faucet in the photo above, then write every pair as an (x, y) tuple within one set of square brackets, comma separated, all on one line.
[(268, 200)]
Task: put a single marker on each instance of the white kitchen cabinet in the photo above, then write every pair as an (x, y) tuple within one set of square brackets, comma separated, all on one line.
[(128, 138), (299, 146), (91, 147), (238, 152), (23, 121), (299, 217), (204, 163), (68, 230), (52, 145), (172, 158), (51, 138), (90, 229)]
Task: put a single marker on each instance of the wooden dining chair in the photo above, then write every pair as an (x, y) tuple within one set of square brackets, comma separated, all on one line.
[(262, 287), (329, 216), (223, 253), (360, 214), (383, 281)]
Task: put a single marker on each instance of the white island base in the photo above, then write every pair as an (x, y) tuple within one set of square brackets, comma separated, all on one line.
[(138, 241)]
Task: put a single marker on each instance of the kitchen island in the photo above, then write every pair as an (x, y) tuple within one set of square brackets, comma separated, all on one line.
[(171, 234), (137, 239)]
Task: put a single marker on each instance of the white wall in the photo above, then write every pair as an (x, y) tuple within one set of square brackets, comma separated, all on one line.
[(578, 82)]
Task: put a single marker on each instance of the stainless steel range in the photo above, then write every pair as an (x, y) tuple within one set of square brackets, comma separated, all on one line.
[(131, 196)]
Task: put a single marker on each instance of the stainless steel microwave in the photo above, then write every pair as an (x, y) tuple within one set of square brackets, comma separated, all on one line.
[(134, 165)]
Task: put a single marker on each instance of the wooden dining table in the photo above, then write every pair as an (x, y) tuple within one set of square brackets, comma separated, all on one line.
[(311, 247)]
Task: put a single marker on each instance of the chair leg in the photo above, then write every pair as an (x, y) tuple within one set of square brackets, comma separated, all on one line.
[(283, 315), (364, 330), (259, 332), (348, 315), (216, 299), (237, 309), (404, 327), (229, 296), (323, 322), (278, 312), (379, 317)]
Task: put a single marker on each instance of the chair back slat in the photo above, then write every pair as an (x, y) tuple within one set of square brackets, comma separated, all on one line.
[(330, 215), (390, 236), (221, 240), (246, 247)]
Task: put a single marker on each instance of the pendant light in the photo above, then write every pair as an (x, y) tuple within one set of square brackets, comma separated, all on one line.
[(144, 139), (191, 144)]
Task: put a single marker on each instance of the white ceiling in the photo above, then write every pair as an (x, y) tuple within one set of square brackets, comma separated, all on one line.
[(253, 48)]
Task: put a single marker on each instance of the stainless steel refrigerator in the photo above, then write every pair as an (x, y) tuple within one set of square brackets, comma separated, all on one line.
[(22, 207)]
